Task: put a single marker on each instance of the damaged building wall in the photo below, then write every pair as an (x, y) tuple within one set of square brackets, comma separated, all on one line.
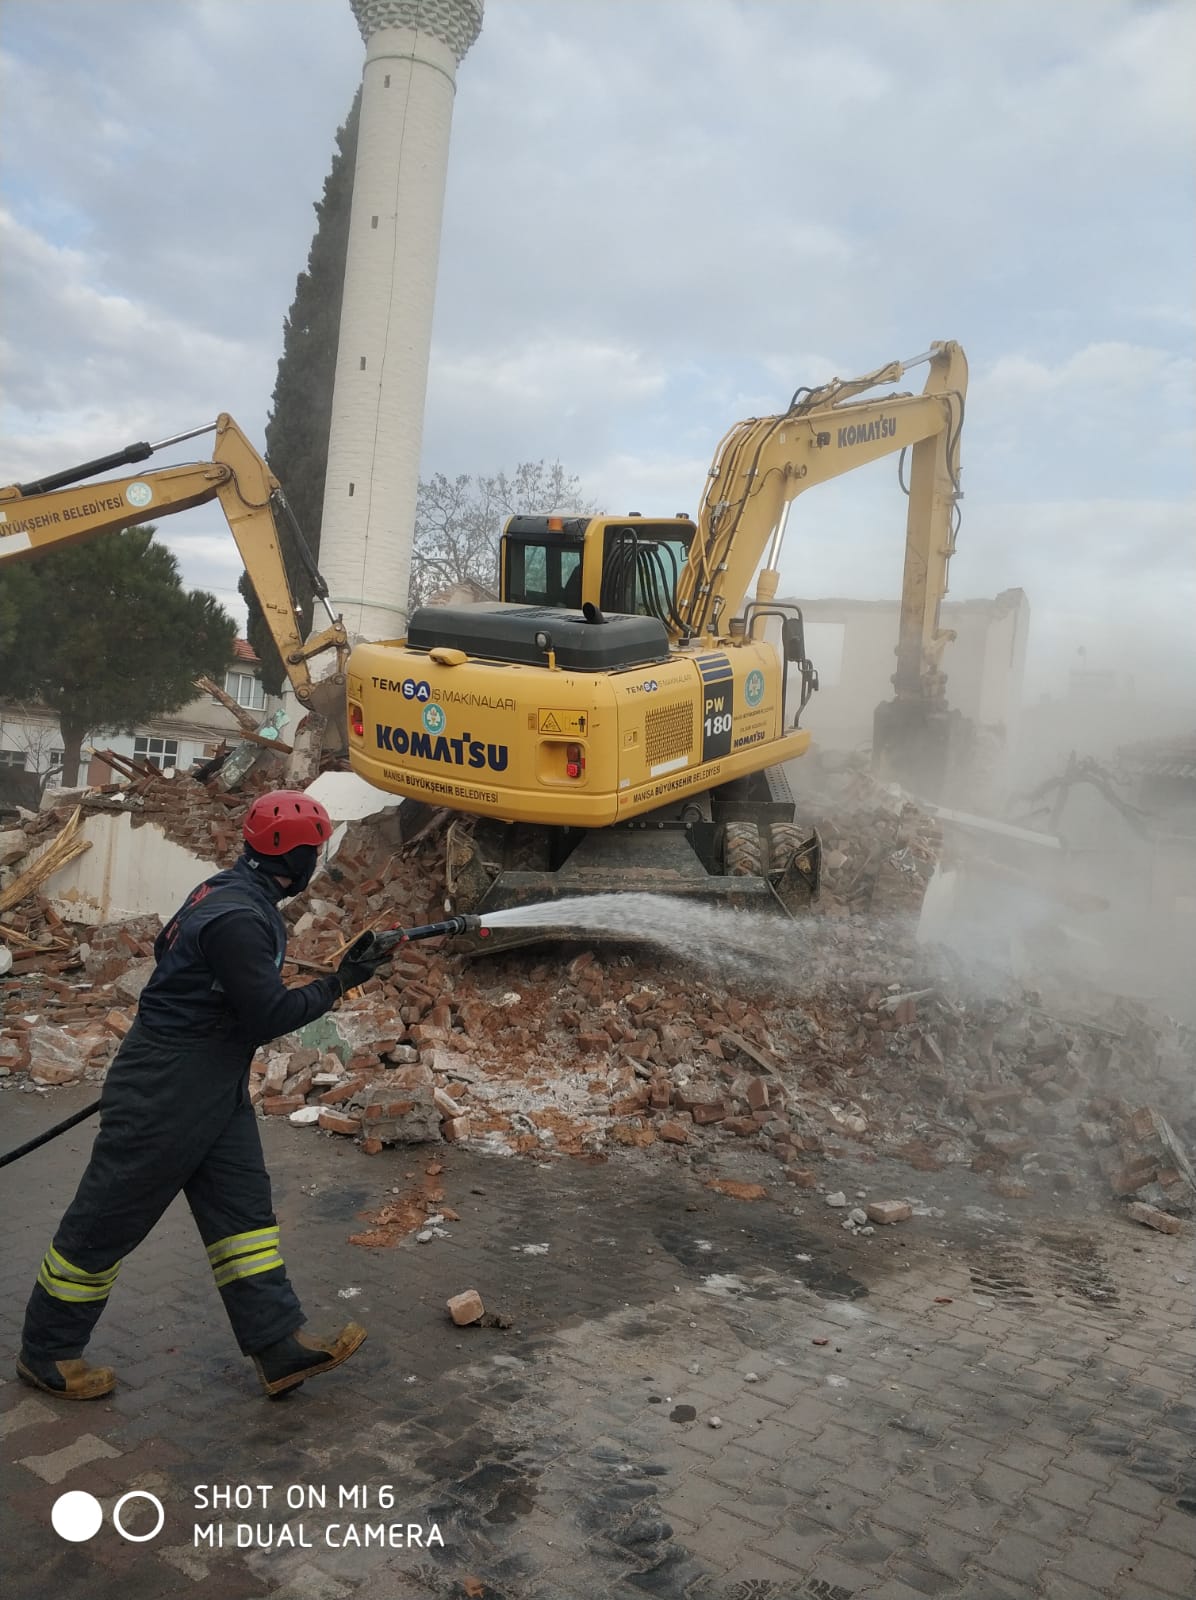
[(853, 645), (126, 873)]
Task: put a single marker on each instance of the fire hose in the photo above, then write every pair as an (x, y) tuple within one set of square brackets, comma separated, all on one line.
[(373, 945), (378, 943)]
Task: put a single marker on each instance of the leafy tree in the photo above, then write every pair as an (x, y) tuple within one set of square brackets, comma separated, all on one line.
[(107, 637), (297, 432), (458, 522)]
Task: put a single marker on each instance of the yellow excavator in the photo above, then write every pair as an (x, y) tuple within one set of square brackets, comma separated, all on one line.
[(620, 717), (49, 513)]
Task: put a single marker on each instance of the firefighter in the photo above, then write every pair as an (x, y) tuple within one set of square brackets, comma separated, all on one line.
[(175, 1116)]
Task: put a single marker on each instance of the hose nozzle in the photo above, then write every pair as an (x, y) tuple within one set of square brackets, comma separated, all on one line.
[(381, 941), (451, 925)]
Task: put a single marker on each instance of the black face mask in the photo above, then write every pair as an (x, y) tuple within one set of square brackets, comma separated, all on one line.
[(298, 865)]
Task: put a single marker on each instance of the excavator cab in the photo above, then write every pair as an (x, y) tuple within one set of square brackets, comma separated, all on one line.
[(541, 561), (626, 566)]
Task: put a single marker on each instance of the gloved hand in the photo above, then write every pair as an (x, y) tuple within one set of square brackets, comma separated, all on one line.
[(359, 964)]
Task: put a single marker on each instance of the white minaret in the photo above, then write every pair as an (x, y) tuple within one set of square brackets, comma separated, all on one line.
[(412, 51)]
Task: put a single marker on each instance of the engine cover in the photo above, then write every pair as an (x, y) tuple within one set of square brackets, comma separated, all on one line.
[(502, 632)]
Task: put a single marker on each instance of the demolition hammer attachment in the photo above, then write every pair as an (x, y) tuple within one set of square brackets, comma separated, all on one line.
[(381, 941)]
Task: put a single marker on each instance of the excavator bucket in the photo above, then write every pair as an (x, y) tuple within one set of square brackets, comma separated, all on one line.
[(328, 702), (919, 744)]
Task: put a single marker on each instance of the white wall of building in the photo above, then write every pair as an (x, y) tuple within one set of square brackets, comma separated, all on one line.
[(985, 666)]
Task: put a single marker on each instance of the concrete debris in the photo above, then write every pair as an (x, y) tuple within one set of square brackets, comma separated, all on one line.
[(891, 1049), (55, 1056), (14, 843)]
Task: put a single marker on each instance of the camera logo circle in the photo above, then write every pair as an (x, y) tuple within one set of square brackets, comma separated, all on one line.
[(433, 718), (753, 689), (138, 1494), (77, 1516), (139, 494)]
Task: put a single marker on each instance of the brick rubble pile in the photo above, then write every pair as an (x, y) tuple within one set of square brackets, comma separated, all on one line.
[(890, 1048)]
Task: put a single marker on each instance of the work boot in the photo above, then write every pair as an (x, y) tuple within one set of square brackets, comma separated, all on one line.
[(69, 1380), (286, 1364)]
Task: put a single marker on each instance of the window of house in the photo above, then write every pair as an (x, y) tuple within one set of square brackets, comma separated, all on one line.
[(162, 752), (246, 689), (13, 758)]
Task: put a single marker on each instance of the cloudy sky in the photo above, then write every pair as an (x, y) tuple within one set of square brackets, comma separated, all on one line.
[(662, 216)]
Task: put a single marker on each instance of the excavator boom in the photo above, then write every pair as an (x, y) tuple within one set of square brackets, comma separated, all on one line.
[(59, 510), (760, 468), (763, 464)]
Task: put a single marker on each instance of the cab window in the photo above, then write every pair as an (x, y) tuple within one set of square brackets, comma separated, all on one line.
[(641, 566), (544, 573)]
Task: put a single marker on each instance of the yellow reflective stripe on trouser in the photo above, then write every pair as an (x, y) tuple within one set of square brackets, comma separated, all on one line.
[(238, 1243), (243, 1255), (65, 1281), (247, 1266)]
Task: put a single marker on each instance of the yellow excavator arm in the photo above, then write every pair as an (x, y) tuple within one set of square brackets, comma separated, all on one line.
[(59, 510), (763, 464)]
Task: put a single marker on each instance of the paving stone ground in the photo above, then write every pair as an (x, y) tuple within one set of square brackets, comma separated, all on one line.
[(987, 1404)]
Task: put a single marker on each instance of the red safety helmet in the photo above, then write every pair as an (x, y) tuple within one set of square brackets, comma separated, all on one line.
[(278, 821)]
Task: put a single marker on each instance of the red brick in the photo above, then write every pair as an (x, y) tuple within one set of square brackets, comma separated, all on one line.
[(802, 1177), (118, 1023), (455, 1129), (379, 1111), (638, 1100), (341, 1092), (372, 1147), (673, 1133), (757, 1094), (742, 1127), (638, 1138), (278, 1105), (338, 1122), (1132, 1177), (708, 1111), (1151, 1217)]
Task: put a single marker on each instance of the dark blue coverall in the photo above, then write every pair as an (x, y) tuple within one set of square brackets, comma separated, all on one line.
[(175, 1115)]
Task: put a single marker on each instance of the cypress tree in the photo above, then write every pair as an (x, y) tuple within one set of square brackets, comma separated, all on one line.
[(301, 413)]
